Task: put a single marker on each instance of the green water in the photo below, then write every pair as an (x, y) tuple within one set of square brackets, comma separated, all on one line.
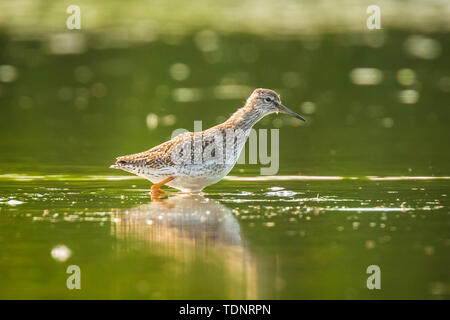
[(310, 234)]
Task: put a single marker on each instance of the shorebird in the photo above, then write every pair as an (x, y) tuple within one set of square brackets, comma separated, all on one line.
[(192, 161)]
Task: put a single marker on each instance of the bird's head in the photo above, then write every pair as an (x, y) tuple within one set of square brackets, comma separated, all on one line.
[(267, 101)]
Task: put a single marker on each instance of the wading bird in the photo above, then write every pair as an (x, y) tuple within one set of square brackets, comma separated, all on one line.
[(194, 160)]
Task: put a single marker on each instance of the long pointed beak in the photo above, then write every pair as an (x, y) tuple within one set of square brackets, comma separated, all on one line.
[(288, 111)]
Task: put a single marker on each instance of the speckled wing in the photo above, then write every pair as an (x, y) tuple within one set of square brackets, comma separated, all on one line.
[(157, 157), (180, 153)]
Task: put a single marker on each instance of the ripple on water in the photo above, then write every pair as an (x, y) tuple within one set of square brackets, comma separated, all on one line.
[(14, 202), (284, 193)]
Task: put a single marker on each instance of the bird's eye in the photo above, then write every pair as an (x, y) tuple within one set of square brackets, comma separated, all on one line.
[(268, 99)]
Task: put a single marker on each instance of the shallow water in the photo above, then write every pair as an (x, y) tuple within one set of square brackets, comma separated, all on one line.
[(364, 182), (269, 239)]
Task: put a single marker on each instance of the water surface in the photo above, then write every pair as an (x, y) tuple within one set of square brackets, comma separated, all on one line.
[(269, 239), (364, 182)]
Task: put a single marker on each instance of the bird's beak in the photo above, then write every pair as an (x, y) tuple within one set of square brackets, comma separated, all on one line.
[(288, 111)]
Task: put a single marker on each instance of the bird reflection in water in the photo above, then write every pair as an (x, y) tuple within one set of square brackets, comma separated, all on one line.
[(190, 229)]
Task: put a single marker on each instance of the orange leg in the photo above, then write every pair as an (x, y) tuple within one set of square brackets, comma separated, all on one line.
[(156, 188)]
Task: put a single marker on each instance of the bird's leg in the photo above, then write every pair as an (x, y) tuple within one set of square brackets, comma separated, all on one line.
[(156, 188)]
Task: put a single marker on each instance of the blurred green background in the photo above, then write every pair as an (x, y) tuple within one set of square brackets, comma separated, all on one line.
[(377, 104)]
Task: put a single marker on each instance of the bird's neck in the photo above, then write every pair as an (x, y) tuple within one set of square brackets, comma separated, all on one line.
[(244, 118)]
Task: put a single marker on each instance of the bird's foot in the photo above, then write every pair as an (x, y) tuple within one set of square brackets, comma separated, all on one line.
[(156, 192), (156, 197)]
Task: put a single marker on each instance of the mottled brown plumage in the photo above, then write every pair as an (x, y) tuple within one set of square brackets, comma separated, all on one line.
[(187, 166)]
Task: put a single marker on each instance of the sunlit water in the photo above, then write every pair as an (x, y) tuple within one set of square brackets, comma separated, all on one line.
[(312, 238), (364, 181)]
